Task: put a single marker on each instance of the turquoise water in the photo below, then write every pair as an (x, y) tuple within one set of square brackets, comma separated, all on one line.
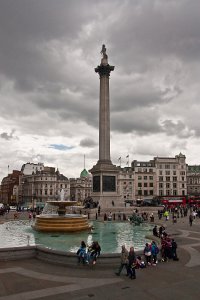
[(110, 235)]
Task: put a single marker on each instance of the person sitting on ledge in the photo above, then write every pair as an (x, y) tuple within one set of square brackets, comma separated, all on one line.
[(94, 251), (81, 253)]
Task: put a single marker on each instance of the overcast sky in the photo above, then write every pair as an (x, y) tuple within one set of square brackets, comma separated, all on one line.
[(49, 92)]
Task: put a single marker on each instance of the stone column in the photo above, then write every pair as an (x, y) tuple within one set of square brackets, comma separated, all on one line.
[(104, 70), (104, 172)]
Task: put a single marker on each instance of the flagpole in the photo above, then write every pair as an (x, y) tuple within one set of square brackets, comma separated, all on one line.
[(127, 156), (120, 160)]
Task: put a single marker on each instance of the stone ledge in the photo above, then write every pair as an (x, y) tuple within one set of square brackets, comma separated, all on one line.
[(56, 257)]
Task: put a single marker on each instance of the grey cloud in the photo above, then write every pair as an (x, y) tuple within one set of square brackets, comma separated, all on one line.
[(87, 142), (141, 122), (177, 128), (7, 136), (48, 53)]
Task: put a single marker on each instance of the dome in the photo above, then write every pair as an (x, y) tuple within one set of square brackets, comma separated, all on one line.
[(84, 173)]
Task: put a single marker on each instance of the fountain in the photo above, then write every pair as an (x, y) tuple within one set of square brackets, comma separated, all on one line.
[(60, 221)]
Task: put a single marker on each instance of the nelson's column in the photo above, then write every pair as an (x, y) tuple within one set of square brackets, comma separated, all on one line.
[(104, 172)]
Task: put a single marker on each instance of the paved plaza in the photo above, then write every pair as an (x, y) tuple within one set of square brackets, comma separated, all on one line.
[(35, 279)]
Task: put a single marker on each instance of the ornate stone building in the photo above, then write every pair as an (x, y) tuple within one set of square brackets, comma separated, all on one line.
[(81, 188), (42, 185), (193, 180), (9, 188)]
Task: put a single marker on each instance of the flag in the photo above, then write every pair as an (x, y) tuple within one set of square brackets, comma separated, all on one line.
[(127, 162), (119, 158), (127, 156)]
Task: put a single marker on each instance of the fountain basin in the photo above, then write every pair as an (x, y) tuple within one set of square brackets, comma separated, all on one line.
[(66, 223)]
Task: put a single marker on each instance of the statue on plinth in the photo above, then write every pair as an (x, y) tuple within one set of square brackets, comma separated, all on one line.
[(104, 60)]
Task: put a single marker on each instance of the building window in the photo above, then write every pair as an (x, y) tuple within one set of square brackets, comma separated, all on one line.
[(151, 192), (160, 185), (160, 172), (182, 172), (139, 184), (167, 173), (174, 172), (168, 192), (145, 177), (151, 184), (183, 192), (160, 193), (183, 178), (45, 192), (174, 178), (167, 178), (167, 166), (145, 193), (174, 192), (150, 177), (139, 177), (145, 184), (183, 185), (174, 185), (167, 185)]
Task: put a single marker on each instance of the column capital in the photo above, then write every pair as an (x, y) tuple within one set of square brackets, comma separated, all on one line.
[(104, 70)]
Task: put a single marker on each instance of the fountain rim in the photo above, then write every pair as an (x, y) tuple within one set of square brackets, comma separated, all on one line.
[(62, 203)]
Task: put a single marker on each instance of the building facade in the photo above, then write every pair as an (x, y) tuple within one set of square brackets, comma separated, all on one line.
[(161, 176), (171, 174), (125, 184), (81, 188), (193, 180), (42, 185), (9, 188)]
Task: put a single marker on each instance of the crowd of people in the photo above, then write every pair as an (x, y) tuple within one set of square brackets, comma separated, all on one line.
[(167, 250)]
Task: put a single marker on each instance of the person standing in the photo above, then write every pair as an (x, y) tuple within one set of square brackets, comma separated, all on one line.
[(174, 247), (131, 263), (124, 261), (190, 219), (154, 252)]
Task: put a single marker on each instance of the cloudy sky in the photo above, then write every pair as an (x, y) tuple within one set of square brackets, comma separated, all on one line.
[(49, 92)]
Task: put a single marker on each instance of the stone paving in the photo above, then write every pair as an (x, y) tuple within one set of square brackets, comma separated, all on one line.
[(34, 279)]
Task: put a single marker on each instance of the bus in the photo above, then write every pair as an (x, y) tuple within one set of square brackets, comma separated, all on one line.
[(171, 201), (194, 200)]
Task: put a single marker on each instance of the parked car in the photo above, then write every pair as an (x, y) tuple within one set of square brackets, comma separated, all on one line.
[(13, 207)]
